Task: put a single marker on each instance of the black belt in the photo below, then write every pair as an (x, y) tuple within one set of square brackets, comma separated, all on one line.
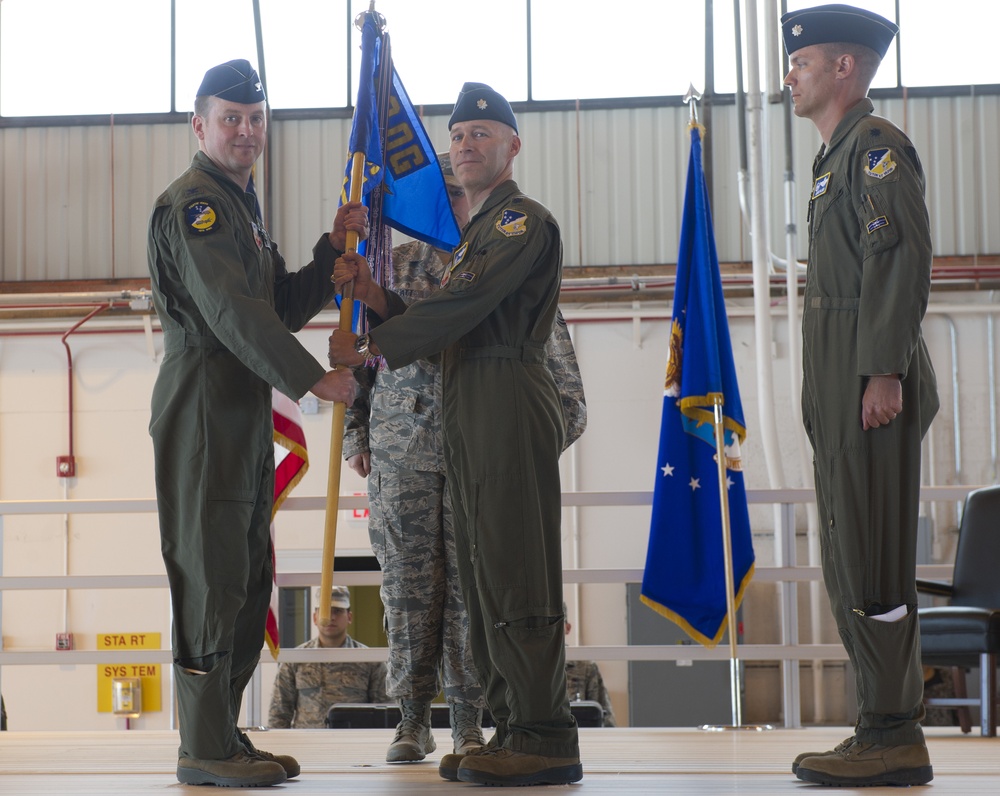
[(177, 339), (528, 354)]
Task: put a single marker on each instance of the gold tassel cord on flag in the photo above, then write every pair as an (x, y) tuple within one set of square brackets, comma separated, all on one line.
[(339, 412)]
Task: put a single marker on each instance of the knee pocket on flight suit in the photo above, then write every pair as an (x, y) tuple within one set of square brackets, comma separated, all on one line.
[(531, 649), (884, 653)]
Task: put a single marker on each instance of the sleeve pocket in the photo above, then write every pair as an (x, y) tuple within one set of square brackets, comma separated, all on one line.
[(878, 226)]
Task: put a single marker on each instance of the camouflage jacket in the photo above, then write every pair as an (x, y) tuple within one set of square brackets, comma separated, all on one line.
[(584, 682), (396, 416), (304, 692)]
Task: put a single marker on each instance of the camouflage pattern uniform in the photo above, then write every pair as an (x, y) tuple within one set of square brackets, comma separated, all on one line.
[(397, 417), (304, 692), (584, 682)]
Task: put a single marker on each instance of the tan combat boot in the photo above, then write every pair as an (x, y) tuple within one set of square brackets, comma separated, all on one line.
[(502, 766), (467, 736), (287, 762), (239, 771), (866, 764), (413, 740), (836, 750)]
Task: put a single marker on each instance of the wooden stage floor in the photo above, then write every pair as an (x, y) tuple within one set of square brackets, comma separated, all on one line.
[(620, 761)]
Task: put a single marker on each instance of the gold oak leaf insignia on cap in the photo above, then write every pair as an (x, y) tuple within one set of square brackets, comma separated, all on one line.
[(481, 104), (796, 30)]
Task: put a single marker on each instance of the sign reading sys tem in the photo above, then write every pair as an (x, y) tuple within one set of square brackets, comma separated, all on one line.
[(148, 673)]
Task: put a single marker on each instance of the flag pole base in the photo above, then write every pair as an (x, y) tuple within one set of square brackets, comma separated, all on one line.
[(739, 727)]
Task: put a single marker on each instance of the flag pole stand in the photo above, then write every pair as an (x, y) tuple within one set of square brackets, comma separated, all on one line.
[(735, 679)]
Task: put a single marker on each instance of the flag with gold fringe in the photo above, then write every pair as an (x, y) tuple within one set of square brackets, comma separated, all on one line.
[(685, 574)]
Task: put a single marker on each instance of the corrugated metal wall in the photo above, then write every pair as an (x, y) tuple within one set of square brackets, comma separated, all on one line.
[(75, 200)]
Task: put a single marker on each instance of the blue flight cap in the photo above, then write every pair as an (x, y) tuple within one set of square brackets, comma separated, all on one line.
[(235, 81), (835, 22), (479, 101)]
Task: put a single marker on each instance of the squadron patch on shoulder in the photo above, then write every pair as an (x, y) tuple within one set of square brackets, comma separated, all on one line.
[(879, 163), (877, 223), (821, 185), (512, 223), (200, 216)]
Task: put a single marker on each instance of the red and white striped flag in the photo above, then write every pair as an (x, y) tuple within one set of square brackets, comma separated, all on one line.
[(291, 460)]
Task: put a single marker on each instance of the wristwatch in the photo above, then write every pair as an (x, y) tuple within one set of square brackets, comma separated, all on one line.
[(361, 345)]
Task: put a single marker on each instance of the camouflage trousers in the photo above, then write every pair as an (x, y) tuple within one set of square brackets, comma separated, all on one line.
[(413, 538)]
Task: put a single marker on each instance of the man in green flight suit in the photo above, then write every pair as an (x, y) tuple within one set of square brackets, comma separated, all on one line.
[(868, 390), (228, 307), (503, 430)]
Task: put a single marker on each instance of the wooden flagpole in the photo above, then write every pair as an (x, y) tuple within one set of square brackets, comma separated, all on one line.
[(339, 412), (727, 550)]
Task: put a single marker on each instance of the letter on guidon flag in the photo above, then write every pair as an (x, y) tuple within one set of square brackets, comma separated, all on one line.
[(291, 460), (415, 198), (684, 578)]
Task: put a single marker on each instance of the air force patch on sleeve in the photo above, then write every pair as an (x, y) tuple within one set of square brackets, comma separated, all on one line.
[(877, 223), (512, 223), (879, 163), (200, 217)]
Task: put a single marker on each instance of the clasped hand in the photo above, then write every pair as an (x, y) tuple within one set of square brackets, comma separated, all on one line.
[(882, 401)]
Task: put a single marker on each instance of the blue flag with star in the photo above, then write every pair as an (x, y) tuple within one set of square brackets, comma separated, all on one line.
[(398, 152), (685, 574)]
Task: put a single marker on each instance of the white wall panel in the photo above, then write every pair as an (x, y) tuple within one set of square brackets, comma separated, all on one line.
[(614, 179)]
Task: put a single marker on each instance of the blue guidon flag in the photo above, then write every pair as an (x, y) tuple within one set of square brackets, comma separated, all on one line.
[(415, 201), (684, 578)]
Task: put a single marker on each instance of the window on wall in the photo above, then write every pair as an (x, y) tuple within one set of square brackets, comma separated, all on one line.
[(77, 57), (437, 45), (66, 57), (643, 48)]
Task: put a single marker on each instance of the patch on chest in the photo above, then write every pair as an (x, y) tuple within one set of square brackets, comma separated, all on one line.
[(456, 259), (200, 217), (821, 185), (512, 223), (879, 163)]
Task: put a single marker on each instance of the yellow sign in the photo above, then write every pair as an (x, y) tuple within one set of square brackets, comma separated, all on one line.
[(148, 673)]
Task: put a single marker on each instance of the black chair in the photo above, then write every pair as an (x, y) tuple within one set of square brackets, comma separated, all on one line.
[(377, 716), (966, 633)]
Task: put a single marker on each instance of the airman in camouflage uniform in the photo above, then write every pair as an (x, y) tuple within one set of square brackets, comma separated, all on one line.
[(397, 420), (304, 692)]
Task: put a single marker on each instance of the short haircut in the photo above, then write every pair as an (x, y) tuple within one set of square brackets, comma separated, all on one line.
[(201, 105), (866, 60)]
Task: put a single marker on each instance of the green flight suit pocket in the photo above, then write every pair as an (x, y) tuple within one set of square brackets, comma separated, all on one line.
[(878, 225), (888, 676)]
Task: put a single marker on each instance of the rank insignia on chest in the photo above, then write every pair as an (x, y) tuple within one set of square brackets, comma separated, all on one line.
[(512, 223), (821, 185), (200, 217), (877, 223), (879, 163)]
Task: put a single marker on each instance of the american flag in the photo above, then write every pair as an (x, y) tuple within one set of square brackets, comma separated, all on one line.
[(291, 460)]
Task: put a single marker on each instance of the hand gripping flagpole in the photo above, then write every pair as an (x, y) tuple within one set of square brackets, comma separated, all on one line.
[(735, 685)]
